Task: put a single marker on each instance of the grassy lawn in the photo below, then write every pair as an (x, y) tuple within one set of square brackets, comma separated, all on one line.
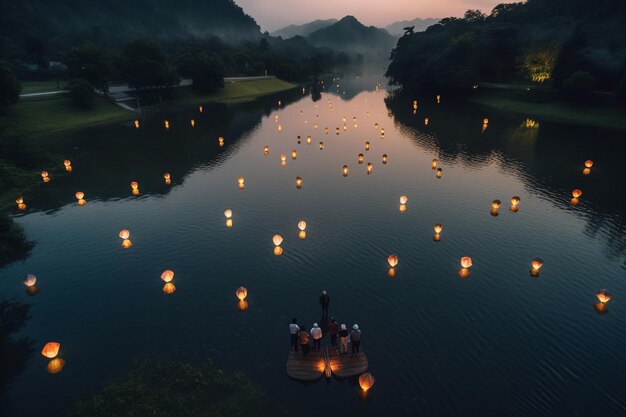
[(40, 86), (36, 117), (589, 115), (233, 92)]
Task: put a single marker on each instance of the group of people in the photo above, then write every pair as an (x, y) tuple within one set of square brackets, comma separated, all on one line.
[(300, 337)]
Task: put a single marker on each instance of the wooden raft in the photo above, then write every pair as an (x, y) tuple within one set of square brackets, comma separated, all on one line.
[(309, 367), (345, 365)]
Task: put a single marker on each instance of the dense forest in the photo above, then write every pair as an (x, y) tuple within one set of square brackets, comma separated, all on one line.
[(565, 44)]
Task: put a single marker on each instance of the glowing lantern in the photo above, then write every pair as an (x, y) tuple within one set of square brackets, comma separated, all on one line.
[(601, 308), (228, 213), (382, 133), (426, 121), (360, 158), (280, 103), (294, 154), (266, 149), (588, 163), (283, 157), (124, 234), (369, 168), (326, 131), (485, 121), (167, 124), (466, 262), (136, 124), (134, 185), (30, 280), (414, 104), (302, 225), (536, 265), (298, 182), (167, 177), (308, 140), (126, 243), (20, 204), (167, 275), (438, 99), (20, 200), (169, 288), (220, 141), (514, 203), (603, 296), (276, 118), (278, 250), (402, 208), (200, 109), (577, 193), (393, 260), (241, 181), (376, 126), (277, 239), (242, 305), (80, 197), (241, 293), (51, 350), (434, 164), (366, 381), (367, 146), (403, 199), (44, 176), (439, 172), (384, 158), (496, 204), (280, 128), (337, 131), (55, 366), (438, 228), (193, 123), (321, 146), (68, 165), (345, 170)]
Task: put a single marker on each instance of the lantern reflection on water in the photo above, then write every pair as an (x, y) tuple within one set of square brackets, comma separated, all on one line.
[(55, 366), (242, 305), (169, 288)]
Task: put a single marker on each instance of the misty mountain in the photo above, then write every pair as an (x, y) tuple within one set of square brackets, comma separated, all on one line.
[(350, 35), (397, 28), (303, 30), (59, 23)]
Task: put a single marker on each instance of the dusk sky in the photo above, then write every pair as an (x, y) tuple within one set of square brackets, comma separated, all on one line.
[(275, 14)]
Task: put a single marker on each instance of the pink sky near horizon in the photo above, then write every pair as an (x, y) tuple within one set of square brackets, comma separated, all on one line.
[(275, 14)]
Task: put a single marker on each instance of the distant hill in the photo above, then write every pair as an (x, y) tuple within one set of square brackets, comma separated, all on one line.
[(303, 30), (397, 28), (350, 35), (59, 23)]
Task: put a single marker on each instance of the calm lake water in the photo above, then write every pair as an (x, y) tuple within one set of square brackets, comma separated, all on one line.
[(499, 343)]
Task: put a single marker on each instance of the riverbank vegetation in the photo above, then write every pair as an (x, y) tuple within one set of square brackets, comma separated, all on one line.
[(163, 388), (570, 46)]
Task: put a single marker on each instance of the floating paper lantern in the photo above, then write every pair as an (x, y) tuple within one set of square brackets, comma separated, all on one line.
[(280, 103), (134, 185), (19, 200), (376, 126), (80, 197), (439, 172), (536, 265), (241, 181), (369, 168), (337, 130), (603, 296), (308, 140), (136, 124), (426, 121), (228, 213), (414, 104), (382, 133), (496, 204), (438, 228), (367, 146), (466, 262), (167, 275), (434, 165), (44, 176), (266, 149), (276, 118), (393, 260), (30, 280), (200, 109), (577, 193), (169, 288), (485, 121), (366, 381), (384, 158), (277, 239), (220, 141), (298, 182), (302, 225), (20, 204), (280, 128), (345, 170), (515, 201), (241, 293), (68, 165), (403, 199), (588, 163), (167, 177), (193, 123), (360, 158), (124, 234), (55, 366), (51, 350), (294, 154), (438, 99), (326, 131), (283, 157), (321, 146), (167, 124)]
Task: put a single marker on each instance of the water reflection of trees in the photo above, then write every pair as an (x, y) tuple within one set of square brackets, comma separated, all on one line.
[(106, 160), (548, 158)]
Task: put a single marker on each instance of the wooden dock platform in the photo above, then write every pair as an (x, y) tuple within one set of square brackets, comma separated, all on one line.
[(309, 367), (345, 365)]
